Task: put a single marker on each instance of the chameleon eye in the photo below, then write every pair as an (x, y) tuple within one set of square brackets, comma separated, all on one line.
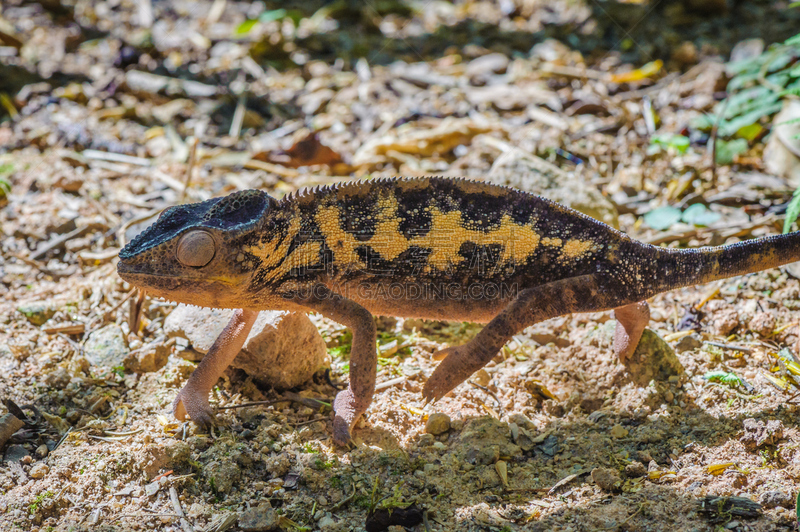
[(196, 249)]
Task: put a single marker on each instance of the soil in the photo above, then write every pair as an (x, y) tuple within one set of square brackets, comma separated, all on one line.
[(554, 434)]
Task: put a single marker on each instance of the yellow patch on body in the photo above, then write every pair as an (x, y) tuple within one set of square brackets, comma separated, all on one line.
[(303, 256), (342, 244), (575, 249), (270, 253), (388, 240), (447, 234)]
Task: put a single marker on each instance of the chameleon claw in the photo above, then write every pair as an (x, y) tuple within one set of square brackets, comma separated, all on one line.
[(195, 407)]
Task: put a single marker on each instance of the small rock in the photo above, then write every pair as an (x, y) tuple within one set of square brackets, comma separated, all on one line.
[(483, 440), (618, 431), (284, 349), (259, 518), (606, 479), (763, 323), (437, 423), (149, 358), (524, 433), (39, 470), (106, 347), (37, 312), (222, 475), (482, 377), (485, 455), (635, 469), (773, 499), (689, 343), (725, 321), (757, 433), (15, 453), (326, 521), (42, 451), (58, 378), (653, 359), (152, 488)]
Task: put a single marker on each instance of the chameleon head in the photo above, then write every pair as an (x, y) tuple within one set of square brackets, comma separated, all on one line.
[(190, 254)]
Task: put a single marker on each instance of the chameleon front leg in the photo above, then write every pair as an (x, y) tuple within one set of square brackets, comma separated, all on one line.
[(631, 322), (576, 294), (193, 398), (351, 403)]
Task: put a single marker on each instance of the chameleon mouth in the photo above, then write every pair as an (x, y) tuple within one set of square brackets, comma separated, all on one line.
[(154, 281)]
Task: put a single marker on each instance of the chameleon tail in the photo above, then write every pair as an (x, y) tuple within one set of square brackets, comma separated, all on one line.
[(686, 267)]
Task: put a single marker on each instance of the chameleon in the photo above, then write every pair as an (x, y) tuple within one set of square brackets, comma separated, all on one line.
[(435, 248)]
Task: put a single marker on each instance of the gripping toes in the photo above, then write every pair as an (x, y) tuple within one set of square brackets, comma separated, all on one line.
[(195, 406), (459, 363), (347, 408)]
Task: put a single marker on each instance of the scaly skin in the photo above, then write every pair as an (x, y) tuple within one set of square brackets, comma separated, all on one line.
[(431, 248)]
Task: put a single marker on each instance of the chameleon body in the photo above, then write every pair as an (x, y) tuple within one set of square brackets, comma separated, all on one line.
[(436, 248)]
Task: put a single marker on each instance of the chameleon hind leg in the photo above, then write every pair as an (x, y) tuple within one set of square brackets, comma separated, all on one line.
[(351, 403), (192, 400), (631, 322), (575, 294)]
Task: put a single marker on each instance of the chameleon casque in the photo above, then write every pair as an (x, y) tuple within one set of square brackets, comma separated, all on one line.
[(436, 248)]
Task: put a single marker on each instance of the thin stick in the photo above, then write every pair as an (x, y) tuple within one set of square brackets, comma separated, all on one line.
[(187, 180)]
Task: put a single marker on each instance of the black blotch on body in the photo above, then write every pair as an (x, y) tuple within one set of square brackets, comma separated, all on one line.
[(481, 211), (415, 219), (358, 216), (481, 258)]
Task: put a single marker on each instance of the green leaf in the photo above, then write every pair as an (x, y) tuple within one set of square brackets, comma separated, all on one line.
[(749, 133), (797, 499), (792, 211), (699, 215), (679, 143), (770, 106), (662, 218), (271, 16), (245, 27), (728, 150)]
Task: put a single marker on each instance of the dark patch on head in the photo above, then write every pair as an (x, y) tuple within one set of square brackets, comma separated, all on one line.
[(415, 218), (234, 212), (237, 209)]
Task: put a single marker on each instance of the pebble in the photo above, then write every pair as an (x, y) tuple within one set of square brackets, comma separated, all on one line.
[(106, 347), (284, 349), (773, 499), (37, 312), (618, 431), (261, 518), (606, 479), (149, 358), (327, 520), (635, 469), (225, 473), (39, 470), (689, 343), (437, 423)]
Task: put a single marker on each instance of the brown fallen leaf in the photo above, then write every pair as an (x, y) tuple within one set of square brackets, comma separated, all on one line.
[(308, 151)]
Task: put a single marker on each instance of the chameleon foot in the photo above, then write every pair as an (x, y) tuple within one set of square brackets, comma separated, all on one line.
[(347, 409), (631, 322), (196, 406), (459, 363)]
